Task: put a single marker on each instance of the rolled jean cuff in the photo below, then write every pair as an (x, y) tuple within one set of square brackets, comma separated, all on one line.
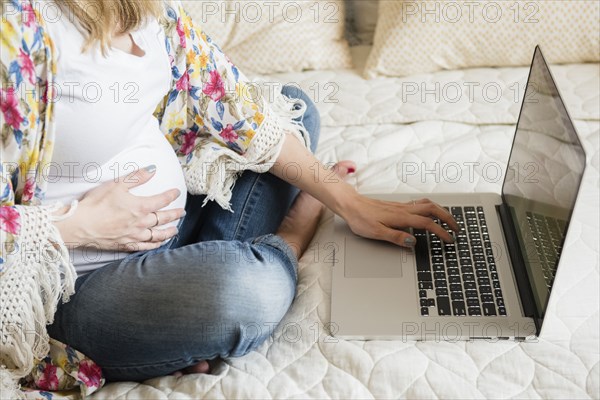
[(282, 246)]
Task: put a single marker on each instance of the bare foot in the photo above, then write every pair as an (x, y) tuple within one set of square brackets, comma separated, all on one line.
[(299, 225), (200, 368)]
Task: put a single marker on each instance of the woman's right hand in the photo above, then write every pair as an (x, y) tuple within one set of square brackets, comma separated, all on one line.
[(109, 217)]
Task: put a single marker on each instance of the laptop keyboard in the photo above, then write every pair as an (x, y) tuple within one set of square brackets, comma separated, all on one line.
[(459, 278), (548, 237)]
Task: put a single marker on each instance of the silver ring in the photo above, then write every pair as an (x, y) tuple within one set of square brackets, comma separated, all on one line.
[(156, 215), (151, 235)]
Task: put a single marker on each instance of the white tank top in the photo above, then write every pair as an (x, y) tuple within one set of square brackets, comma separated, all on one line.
[(104, 122)]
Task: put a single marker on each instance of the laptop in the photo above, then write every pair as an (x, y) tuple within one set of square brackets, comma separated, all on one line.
[(495, 281)]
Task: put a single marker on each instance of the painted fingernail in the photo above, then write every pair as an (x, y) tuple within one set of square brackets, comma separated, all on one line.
[(150, 168), (351, 170), (410, 241)]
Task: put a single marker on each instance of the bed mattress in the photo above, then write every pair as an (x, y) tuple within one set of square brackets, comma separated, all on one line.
[(465, 117)]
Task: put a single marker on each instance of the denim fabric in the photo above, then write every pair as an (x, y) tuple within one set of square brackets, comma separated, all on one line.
[(217, 289)]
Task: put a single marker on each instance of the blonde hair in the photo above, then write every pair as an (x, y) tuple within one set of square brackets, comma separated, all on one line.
[(103, 19)]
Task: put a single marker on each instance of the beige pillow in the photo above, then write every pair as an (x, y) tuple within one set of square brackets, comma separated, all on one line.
[(276, 36), (417, 37)]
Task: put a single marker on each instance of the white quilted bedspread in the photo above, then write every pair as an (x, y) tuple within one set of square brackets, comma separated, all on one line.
[(372, 123)]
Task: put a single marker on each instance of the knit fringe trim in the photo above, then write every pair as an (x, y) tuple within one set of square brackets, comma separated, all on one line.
[(35, 278), (215, 173)]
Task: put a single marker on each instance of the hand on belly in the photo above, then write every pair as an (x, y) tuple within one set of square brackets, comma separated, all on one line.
[(112, 217)]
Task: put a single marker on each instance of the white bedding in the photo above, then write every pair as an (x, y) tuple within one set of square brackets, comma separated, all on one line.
[(371, 125)]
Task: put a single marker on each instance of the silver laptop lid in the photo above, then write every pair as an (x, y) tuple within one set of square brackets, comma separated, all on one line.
[(544, 173)]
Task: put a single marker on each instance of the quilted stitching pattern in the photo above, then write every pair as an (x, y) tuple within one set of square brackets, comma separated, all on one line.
[(362, 126)]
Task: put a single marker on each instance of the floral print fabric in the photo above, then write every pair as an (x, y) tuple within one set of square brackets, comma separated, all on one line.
[(209, 109)]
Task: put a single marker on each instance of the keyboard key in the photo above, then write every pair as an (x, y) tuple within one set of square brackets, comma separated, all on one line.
[(423, 302), (500, 302), (424, 276), (426, 285), (457, 296), (496, 284), (439, 268), (485, 290), (467, 270), (488, 309), (473, 302), (487, 298), (439, 275), (458, 307), (470, 285), (498, 293), (456, 211), (439, 283), (421, 252), (443, 306), (471, 293), (451, 257), (456, 287), (454, 279), (424, 311), (441, 292), (502, 310), (422, 293), (481, 273), (453, 271), (468, 277), (430, 302), (483, 282), (474, 311), (465, 262)]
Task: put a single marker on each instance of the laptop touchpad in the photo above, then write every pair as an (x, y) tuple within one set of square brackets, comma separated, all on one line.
[(366, 258)]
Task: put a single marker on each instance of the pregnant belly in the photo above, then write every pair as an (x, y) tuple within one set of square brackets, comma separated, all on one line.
[(69, 180), (67, 184)]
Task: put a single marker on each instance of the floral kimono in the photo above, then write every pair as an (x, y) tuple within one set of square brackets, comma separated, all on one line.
[(217, 122)]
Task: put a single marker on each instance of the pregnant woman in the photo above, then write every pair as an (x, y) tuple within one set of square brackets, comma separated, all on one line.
[(124, 130)]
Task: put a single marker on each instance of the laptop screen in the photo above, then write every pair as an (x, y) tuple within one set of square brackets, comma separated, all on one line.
[(543, 177)]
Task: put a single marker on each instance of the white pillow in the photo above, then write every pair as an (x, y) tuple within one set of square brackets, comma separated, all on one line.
[(284, 36), (418, 37)]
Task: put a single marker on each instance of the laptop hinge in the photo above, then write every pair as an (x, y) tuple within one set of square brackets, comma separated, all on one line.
[(518, 264)]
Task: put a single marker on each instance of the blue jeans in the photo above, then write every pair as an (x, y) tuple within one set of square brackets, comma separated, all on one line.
[(217, 289)]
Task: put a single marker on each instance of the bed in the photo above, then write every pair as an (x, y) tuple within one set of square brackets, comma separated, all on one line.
[(383, 127)]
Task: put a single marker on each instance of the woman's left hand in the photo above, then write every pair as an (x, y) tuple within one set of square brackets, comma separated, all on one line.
[(387, 220)]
